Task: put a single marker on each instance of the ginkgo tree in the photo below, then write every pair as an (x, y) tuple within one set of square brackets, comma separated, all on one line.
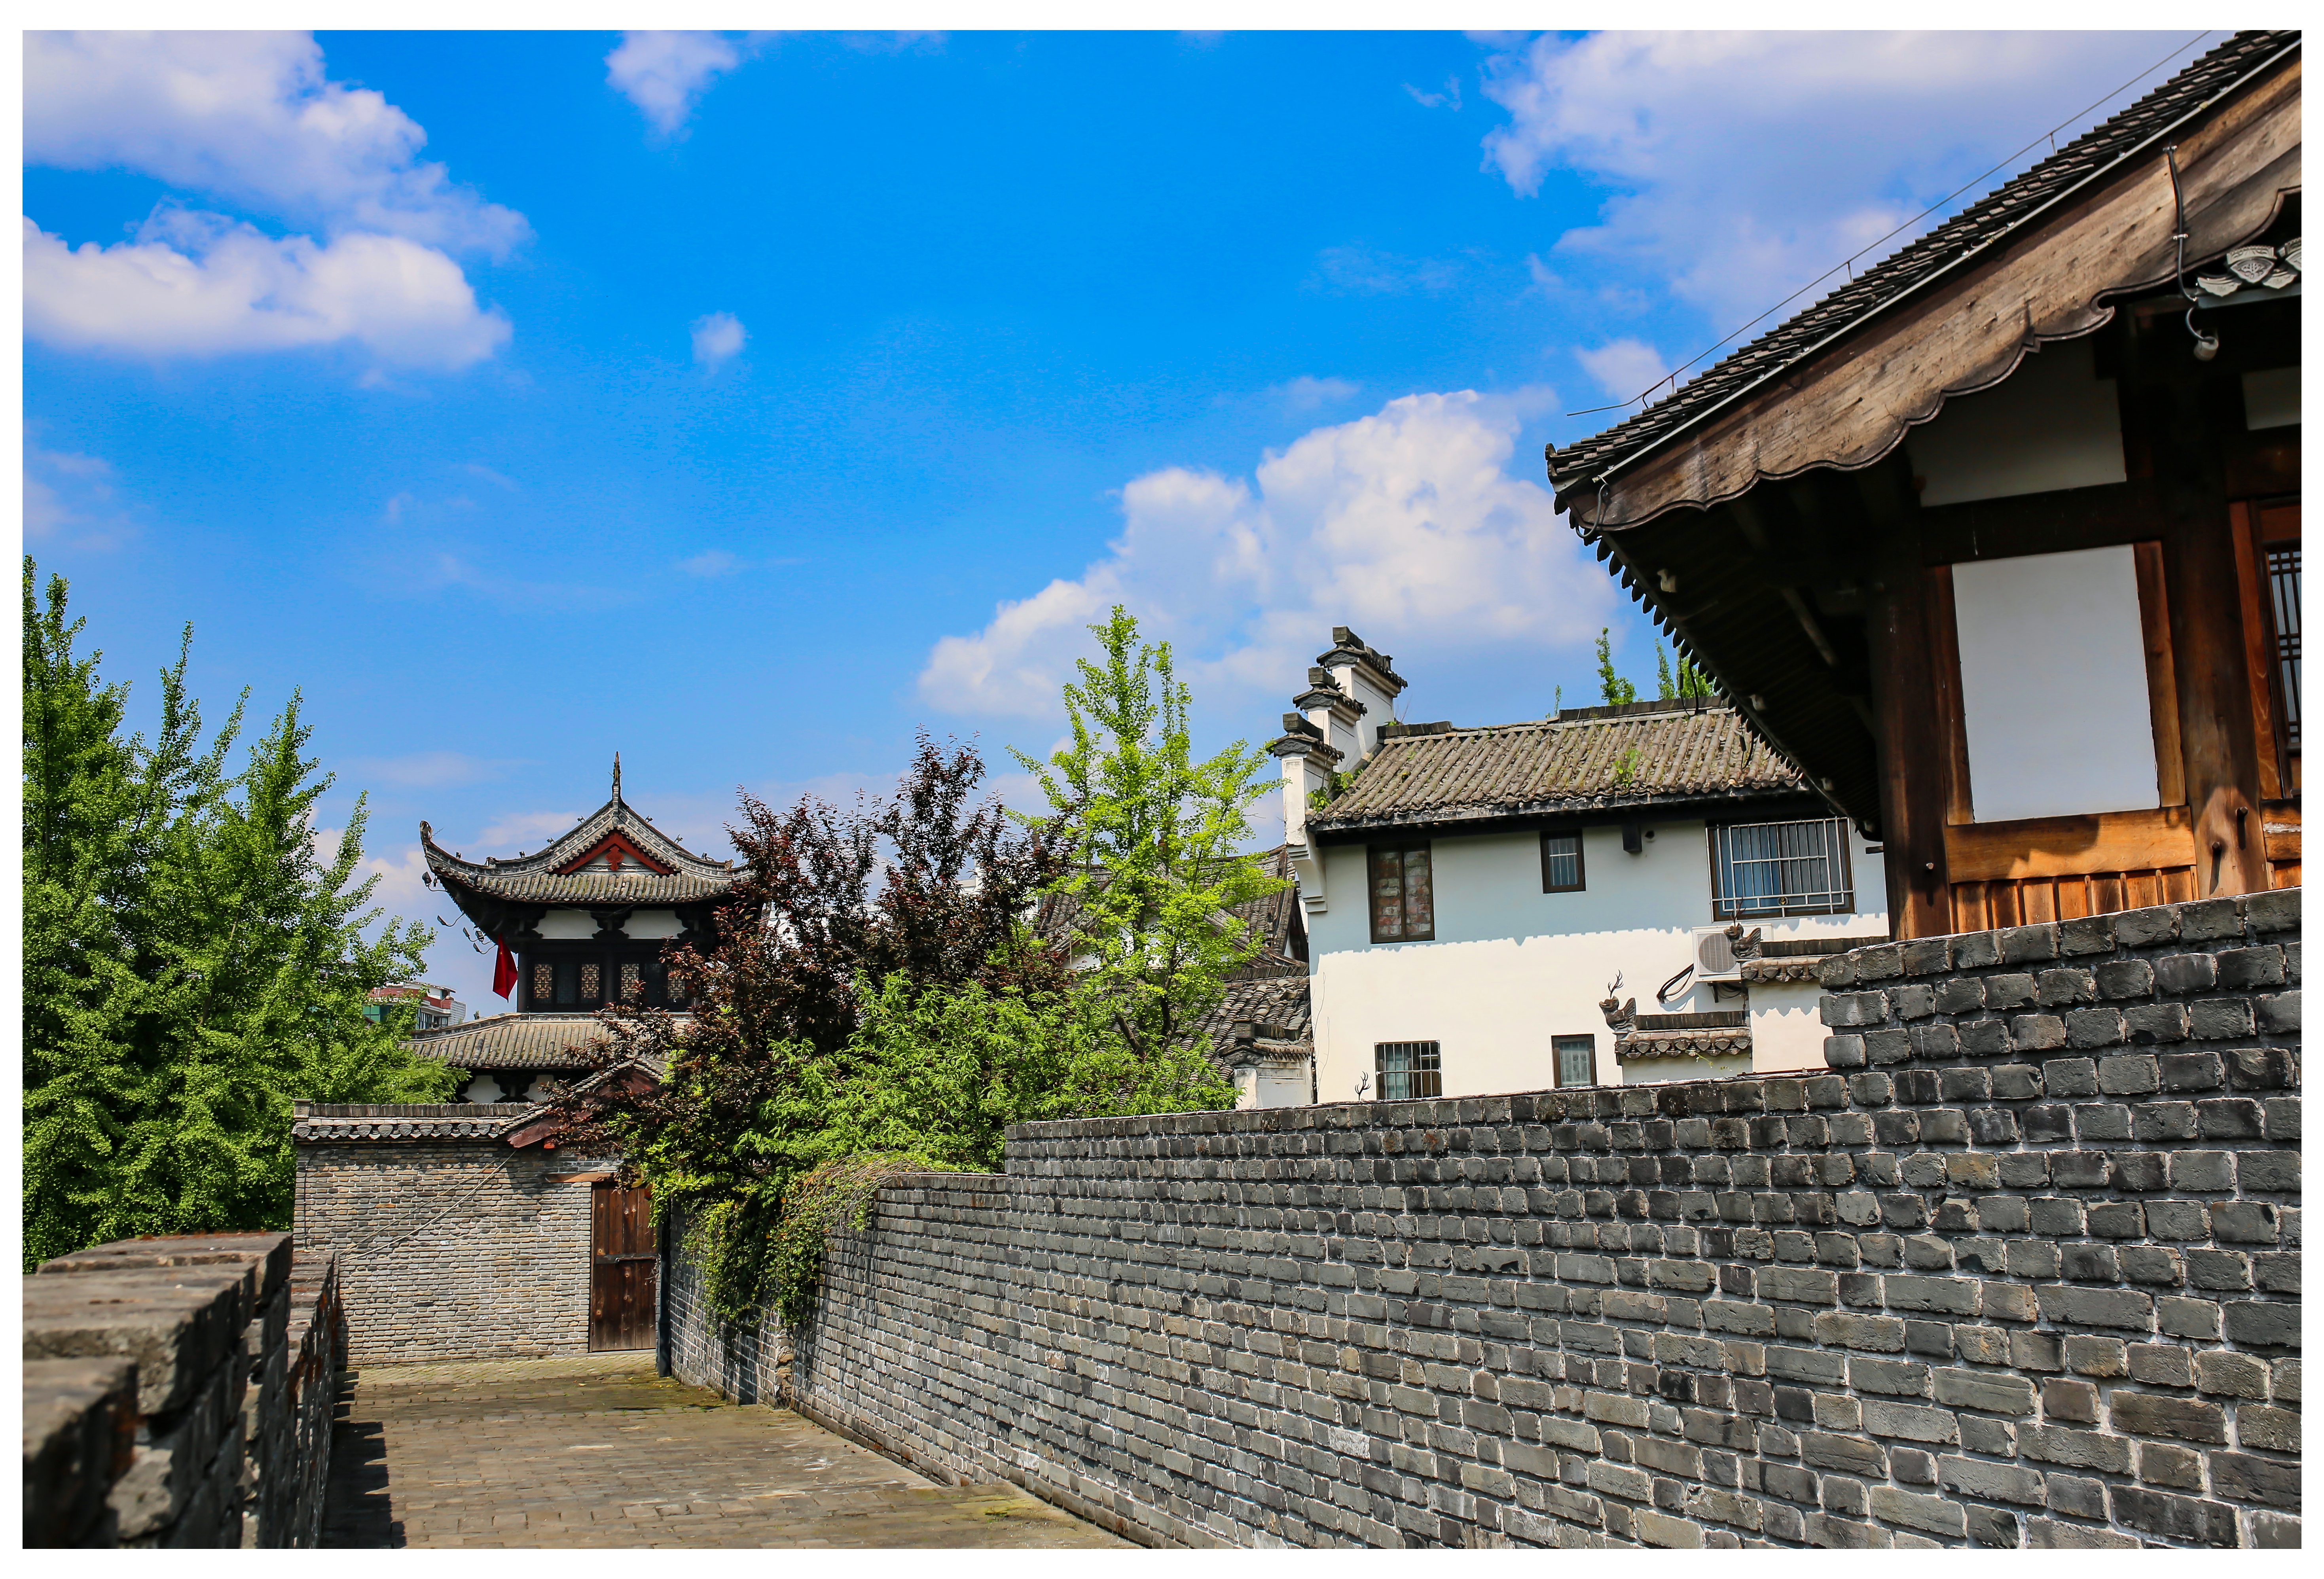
[(193, 960)]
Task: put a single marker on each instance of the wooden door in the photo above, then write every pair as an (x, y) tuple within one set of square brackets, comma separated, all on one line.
[(621, 1268)]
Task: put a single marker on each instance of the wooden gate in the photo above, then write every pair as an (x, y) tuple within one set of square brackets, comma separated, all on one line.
[(621, 1268)]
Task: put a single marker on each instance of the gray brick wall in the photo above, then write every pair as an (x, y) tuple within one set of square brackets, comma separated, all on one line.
[(450, 1250), (2021, 1271)]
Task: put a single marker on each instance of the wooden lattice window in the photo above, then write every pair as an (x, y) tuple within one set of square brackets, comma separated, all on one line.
[(2283, 604), (544, 983), (1403, 894)]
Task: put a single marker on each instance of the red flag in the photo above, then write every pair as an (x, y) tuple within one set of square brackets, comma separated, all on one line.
[(503, 970)]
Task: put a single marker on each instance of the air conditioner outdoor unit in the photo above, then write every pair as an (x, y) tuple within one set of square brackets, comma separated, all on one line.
[(1714, 956)]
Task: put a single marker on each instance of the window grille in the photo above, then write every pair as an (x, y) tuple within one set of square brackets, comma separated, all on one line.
[(633, 983), (1561, 863), (2283, 596), (1577, 1059), (1407, 1070), (1404, 895), (1780, 869), (544, 983)]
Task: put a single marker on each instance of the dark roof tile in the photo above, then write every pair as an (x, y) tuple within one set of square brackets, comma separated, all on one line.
[(1681, 752)]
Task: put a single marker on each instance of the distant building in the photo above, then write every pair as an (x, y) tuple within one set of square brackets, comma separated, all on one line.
[(586, 919), (1488, 909), (437, 1007)]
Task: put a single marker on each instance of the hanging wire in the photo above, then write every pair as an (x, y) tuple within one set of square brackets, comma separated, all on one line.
[(1848, 263)]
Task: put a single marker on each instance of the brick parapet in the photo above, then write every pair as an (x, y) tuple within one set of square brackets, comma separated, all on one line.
[(165, 1373), (2022, 1298)]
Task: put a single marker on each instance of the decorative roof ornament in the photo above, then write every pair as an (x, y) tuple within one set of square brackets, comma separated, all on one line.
[(617, 776), (2265, 268)]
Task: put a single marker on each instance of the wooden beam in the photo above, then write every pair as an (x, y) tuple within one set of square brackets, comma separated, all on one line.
[(2251, 584), (1949, 719), (2061, 847)]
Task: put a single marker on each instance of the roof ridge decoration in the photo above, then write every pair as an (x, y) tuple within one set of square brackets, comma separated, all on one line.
[(661, 871), (2226, 199)]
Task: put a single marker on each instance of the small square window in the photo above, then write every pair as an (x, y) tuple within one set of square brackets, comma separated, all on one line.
[(1407, 1070), (1561, 863), (1577, 1059), (1403, 894)]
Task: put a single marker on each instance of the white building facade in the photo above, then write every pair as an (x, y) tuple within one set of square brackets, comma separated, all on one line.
[(1474, 897)]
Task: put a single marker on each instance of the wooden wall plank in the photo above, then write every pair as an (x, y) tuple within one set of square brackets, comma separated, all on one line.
[(2161, 675), (2251, 585)]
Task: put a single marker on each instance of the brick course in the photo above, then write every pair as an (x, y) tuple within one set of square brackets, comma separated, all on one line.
[(1981, 1284)]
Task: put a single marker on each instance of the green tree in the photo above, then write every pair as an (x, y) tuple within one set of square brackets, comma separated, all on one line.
[(1688, 682), (191, 962), (858, 1017), (1612, 689), (1149, 840)]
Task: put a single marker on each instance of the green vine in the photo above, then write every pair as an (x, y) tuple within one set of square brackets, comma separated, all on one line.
[(839, 1195)]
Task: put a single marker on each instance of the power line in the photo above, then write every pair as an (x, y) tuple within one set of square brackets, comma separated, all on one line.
[(1848, 263)]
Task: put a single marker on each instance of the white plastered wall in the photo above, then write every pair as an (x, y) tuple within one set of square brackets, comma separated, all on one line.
[(568, 923), (2052, 424), (1787, 1029), (1513, 968)]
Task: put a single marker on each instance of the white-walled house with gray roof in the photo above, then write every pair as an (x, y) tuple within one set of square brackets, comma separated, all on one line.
[(1472, 894)]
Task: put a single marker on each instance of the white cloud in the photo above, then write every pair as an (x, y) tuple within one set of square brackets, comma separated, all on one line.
[(1405, 524), (1449, 99), (1743, 165), (249, 117), (665, 73), (1624, 368), (1361, 272), (1305, 394), (717, 338), (70, 497), (197, 284), (711, 563)]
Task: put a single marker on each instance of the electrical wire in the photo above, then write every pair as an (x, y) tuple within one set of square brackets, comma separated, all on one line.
[(1848, 263)]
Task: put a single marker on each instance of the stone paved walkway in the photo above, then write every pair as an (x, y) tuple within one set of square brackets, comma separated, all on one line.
[(600, 1452)]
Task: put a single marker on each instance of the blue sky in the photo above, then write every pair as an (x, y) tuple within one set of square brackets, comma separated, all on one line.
[(742, 402)]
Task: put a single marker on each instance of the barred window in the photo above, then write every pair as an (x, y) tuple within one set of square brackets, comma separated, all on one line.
[(1404, 896), (1577, 1059), (1780, 869), (1407, 1070), (1561, 863)]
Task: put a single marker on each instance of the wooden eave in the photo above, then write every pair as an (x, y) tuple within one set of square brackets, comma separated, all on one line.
[(1847, 400), (1771, 516)]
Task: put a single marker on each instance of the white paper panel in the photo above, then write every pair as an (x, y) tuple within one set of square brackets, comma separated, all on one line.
[(2053, 685)]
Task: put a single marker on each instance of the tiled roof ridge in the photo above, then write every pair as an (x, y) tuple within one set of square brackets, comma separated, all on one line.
[(2195, 86), (615, 815), (1545, 765)]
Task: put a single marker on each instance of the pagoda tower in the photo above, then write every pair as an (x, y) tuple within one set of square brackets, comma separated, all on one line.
[(584, 920)]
